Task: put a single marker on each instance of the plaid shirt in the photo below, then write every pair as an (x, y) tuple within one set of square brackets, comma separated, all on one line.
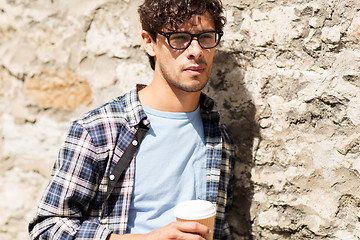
[(78, 204)]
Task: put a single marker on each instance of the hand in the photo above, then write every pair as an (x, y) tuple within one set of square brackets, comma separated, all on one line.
[(180, 231), (172, 231)]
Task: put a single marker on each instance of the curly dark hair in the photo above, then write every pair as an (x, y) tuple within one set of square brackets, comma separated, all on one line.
[(158, 14)]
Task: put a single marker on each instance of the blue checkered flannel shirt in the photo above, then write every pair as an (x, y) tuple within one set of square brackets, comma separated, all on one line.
[(77, 204)]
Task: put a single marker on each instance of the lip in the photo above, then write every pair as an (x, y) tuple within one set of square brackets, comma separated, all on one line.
[(195, 69)]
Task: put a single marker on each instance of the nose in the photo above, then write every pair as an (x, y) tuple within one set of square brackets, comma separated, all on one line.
[(194, 50)]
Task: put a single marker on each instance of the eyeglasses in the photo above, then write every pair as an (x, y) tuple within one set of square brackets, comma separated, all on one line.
[(182, 40)]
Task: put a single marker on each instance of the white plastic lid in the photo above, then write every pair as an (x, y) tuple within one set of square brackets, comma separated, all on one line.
[(194, 210)]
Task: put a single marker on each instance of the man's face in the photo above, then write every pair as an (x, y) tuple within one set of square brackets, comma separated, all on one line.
[(189, 69)]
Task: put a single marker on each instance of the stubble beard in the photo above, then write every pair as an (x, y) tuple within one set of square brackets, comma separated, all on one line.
[(175, 82), (192, 88)]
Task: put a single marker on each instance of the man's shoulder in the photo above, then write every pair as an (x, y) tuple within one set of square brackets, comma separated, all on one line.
[(117, 111), (209, 114), (109, 111), (226, 134)]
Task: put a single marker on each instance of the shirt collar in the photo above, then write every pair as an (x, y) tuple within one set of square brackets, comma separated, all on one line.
[(133, 108), (206, 102), (136, 113)]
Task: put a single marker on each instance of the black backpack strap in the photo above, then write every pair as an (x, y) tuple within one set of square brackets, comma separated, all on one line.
[(126, 158)]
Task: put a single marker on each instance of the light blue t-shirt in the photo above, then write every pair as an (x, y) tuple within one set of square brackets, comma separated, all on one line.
[(170, 167)]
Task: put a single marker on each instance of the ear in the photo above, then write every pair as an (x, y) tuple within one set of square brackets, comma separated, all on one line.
[(149, 43)]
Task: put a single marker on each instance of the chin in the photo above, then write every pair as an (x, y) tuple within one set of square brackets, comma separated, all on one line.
[(192, 87)]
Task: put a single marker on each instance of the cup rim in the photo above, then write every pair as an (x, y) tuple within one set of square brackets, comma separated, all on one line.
[(210, 210)]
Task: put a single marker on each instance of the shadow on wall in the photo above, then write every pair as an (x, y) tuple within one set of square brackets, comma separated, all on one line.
[(234, 102)]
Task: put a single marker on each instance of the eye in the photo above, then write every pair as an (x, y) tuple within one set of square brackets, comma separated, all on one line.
[(180, 36), (206, 36)]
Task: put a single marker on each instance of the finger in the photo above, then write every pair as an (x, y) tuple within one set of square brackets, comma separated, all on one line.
[(191, 236), (194, 227)]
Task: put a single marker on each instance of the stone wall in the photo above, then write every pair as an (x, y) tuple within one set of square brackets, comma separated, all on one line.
[(286, 80)]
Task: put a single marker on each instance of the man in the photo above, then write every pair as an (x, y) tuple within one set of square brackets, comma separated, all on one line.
[(124, 166)]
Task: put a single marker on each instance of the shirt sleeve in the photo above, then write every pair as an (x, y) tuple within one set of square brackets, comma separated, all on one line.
[(63, 207)]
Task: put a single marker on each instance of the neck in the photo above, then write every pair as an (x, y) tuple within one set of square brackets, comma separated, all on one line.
[(164, 97)]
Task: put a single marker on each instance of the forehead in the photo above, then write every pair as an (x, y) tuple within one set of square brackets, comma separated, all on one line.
[(198, 23)]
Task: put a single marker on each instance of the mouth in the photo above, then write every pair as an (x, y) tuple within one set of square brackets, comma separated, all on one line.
[(195, 69)]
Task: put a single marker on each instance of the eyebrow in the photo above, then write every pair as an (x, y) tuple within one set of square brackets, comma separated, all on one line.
[(203, 31)]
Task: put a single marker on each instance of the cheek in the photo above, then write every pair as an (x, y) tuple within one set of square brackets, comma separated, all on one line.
[(210, 59), (169, 63), (168, 58)]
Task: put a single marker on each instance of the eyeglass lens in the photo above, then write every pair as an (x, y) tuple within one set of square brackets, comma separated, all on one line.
[(183, 40)]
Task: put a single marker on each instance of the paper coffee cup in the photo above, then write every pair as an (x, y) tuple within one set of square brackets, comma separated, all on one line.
[(200, 211)]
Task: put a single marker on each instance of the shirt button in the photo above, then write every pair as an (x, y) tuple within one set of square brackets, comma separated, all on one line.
[(145, 122), (112, 177), (134, 142)]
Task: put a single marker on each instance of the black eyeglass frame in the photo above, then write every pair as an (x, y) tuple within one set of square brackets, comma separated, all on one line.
[(168, 35)]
